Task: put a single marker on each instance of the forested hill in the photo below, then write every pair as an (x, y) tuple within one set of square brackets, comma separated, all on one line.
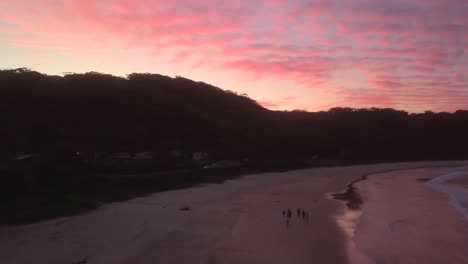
[(95, 112)]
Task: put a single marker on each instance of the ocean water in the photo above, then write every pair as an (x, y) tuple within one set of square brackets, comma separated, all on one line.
[(404, 217), (458, 193)]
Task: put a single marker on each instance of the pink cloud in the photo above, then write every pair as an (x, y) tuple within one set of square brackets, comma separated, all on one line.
[(282, 103), (408, 49), (386, 84), (273, 105)]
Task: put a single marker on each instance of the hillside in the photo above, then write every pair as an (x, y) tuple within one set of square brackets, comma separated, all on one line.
[(150, 112), (71, 143)]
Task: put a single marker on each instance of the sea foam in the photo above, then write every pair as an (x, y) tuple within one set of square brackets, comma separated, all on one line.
[(458, 194)]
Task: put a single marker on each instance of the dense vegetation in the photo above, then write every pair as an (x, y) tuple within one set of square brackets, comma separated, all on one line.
[(57, 117), (150, 112)]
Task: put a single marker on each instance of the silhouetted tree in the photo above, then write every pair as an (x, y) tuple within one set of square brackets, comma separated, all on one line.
[(101, 112)]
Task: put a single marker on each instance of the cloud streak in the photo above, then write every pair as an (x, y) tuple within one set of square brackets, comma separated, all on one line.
[(412, 52)]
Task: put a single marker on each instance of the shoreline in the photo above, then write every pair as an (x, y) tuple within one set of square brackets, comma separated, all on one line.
[(237, 221), (449, 185), (353, 198), (99, 189), (411, 223), (95, 191)]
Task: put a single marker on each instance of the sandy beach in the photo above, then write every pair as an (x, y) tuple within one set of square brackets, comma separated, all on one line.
[(408, 218), (241, 221)]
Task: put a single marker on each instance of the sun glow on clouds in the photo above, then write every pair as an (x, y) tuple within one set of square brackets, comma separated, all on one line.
[(286, 54)]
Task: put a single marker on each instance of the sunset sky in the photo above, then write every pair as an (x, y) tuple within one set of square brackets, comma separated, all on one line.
[(297, 54)]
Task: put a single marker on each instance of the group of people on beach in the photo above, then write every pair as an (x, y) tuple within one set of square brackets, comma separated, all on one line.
[(301, 213)]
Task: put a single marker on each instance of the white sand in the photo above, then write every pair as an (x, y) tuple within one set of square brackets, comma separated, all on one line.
[(404, 221), (238, 221)]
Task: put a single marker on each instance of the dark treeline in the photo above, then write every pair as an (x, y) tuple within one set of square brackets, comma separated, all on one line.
[(150, 112), (56, 118)]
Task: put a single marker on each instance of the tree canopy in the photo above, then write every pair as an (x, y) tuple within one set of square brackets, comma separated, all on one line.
[(100, 112)]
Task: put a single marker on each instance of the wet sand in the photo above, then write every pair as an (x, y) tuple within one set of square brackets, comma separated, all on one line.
[(238, 221), (459, 182), (405, 219)]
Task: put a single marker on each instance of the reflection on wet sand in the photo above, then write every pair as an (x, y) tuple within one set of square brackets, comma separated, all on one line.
[(351, 196), (348, 220), (400, 220)]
